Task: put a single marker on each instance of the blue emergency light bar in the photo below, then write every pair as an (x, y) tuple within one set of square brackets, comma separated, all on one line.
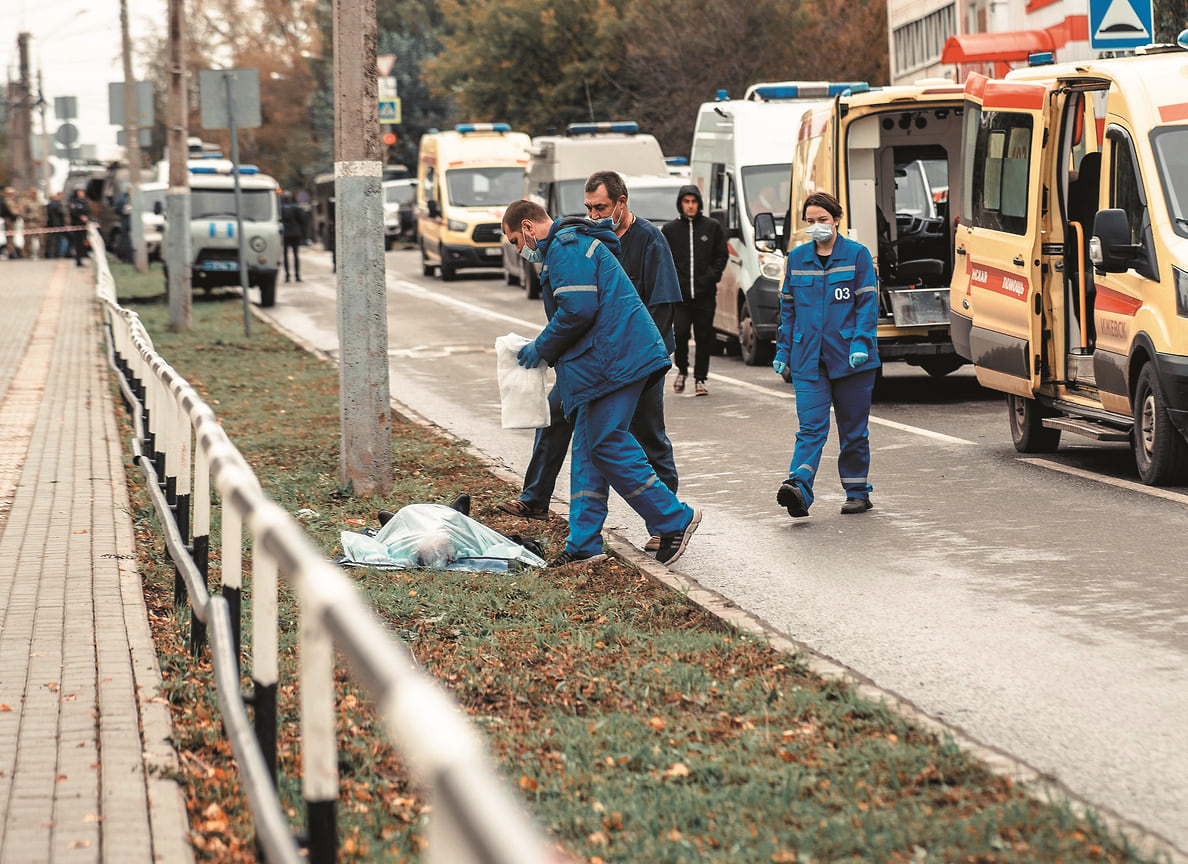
[(1041, 58), (214, 169), (808, 91), (465, 128), (676, 160), (623, 127)]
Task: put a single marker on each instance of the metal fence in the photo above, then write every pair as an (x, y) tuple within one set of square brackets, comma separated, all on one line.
[(186, 456)]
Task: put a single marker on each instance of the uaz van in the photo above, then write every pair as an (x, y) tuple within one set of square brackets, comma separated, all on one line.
[(466, 177), (1071, 285)]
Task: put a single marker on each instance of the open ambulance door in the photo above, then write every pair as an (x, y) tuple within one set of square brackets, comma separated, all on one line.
[(997, 310)]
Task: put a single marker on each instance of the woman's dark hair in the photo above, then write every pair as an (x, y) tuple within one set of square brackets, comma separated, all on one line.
[(825, 201)]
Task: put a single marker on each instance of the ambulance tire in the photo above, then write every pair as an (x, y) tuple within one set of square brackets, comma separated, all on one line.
[(268, 291), (511, 275), (426, 267), (530, 280), (755, 351), (1160, 452), (1027, 430), (448, 271)]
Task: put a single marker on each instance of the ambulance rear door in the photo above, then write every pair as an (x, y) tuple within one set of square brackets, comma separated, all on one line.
[(998, 285)]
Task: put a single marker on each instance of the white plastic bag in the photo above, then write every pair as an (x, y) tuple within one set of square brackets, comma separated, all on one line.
[(18, 237), (523, 392)]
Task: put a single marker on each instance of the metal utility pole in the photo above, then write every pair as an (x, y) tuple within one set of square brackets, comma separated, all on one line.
[(45, 148), (177, 201), (132, 143), (366, 455)]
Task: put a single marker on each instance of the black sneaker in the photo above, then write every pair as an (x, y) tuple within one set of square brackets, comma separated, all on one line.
[(791, 497), (856, 505), (673, 546), (573, 558)]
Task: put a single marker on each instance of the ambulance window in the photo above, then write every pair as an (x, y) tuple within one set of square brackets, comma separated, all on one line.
[(430, 183), (1002, 166), (1126, 186), (1170, 146)]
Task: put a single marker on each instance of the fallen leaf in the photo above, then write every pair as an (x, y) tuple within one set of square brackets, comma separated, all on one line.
[(5, 707), (657, 723), (80, 844), (598, 839), (528, 783), (674, 835), (678, 769)]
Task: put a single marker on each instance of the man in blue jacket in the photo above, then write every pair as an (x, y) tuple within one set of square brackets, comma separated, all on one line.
[(607, 350)]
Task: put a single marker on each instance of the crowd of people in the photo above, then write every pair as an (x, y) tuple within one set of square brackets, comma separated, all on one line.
[(36, 228), (621, 297)]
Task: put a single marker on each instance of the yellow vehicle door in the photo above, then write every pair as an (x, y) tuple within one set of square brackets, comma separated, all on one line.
[(998, 289)]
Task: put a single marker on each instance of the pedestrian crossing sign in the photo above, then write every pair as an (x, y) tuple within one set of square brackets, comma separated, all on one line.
[(1116, 25), (389, 111)]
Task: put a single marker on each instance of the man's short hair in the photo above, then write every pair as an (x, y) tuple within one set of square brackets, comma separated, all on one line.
[(518, 211), (615, 187)]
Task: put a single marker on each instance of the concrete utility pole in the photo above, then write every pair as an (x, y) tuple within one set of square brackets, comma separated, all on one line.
[(132, 143), (366, 456), (177, 201), (20, 124), (45, 148)]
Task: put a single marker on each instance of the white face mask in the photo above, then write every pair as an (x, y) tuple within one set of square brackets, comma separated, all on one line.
[(820, 233), (531, 254), (617, 224)]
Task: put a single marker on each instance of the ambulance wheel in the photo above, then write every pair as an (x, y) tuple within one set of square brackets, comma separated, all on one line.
[(511, 275), (448, 271), (1160, 452), (426, 267), (268, 291), (529, 280), (755, 352), (1027, 430)]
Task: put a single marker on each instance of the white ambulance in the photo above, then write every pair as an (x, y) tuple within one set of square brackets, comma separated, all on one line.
[(559, 165), (741, 159), (1071, 285), (466, 177)]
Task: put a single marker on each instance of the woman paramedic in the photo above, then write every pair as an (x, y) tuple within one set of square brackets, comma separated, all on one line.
[(828, 344)]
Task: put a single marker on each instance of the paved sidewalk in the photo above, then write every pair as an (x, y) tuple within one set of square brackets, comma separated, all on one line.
[(83, 739)]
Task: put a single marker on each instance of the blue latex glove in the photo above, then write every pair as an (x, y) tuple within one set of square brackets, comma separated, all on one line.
[(779, 366), (529, 356), (857, 358)]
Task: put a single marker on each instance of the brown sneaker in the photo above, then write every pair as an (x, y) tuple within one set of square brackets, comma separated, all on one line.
[(678, 383), (653, 543), (522, 509), (701, 389)]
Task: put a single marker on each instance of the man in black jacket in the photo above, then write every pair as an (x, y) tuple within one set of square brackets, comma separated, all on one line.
[(699, 252)]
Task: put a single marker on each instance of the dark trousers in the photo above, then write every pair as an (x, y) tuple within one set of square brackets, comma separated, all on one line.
[(78, 239), (293, 243), (850, 397), (552, 443), (699, 317)]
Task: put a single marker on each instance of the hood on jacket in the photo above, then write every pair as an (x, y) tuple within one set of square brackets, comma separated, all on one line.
[(601, 229), (695, 192)]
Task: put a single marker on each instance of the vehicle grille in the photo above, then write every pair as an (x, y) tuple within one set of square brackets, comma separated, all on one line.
[(218, 255), (489, 232)]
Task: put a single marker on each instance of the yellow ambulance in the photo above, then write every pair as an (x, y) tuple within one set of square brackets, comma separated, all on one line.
[(1071, 285), (466, 177), (892, 157)]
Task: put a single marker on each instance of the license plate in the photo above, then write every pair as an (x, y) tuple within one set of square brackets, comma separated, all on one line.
[(491, 253), (220, 265)]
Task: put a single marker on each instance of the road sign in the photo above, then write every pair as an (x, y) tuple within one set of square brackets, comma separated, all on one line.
[(1116, 25), (65, 107), (144, 103), (389, 111), (67, 134), (212, 91), (389, 138)]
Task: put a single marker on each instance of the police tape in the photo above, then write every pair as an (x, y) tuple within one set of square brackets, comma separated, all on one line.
[(26, 232)]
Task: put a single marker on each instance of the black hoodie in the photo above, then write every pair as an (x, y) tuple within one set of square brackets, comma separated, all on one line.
[(699, 271)]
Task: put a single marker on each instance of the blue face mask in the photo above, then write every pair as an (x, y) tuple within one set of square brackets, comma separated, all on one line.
[(532, 256), (820, 233)]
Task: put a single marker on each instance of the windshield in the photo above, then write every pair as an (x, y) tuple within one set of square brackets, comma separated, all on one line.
[(402, 194), (1170, 145), (215, 203), (484, 187), (765, 189), (912, 196), (571, 198), (654, 203)]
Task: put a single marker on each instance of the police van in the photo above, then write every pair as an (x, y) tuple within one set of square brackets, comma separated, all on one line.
[(466, 177), (741, 159), (558, 166), (892, 158), (214, 244), (1071, 285)]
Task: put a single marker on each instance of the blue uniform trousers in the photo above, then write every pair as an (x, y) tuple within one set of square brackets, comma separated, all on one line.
[(606, 454), (850, 397), (552, 442)]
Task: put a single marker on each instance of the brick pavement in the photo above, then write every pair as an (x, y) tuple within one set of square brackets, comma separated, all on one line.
[(83, 738)]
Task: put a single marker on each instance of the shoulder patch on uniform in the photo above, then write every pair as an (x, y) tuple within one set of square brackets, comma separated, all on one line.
[(566, 238)]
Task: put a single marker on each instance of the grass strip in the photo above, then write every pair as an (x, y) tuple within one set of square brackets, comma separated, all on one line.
[(635, 726)]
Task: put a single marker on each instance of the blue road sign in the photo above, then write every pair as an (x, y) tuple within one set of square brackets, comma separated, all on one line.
[(389, 110), (1116, 25)]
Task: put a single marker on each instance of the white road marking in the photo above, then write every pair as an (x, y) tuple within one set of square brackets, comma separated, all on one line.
[(425, 294), (747, 385), (1130, 485), (916, 430)]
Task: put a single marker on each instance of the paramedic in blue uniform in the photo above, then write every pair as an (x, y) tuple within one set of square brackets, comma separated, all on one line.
[(828, 343), (607, 352)]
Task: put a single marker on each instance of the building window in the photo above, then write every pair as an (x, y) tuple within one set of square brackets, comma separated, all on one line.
[(920, 43)]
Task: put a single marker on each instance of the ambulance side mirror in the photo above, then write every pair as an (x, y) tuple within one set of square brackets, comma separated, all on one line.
[(434, 208), (765, 229), (157, 209), (1110, 248)]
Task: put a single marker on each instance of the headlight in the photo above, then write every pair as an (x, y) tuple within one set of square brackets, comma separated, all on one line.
[(257, 244), (455, 225), (771, 266), (1180, 277)]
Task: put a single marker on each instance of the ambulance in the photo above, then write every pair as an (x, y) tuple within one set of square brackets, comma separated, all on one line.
[(466, 177), (1071, 287), (740, 160), (892, 157), (558, 166)]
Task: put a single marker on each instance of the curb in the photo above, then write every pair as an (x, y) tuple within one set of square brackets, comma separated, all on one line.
[(1039, 786)]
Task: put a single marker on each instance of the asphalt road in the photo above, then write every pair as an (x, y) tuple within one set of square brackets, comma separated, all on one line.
[(1038, 604)]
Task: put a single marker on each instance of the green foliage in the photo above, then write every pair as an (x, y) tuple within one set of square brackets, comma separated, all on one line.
[(1171, 16)]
